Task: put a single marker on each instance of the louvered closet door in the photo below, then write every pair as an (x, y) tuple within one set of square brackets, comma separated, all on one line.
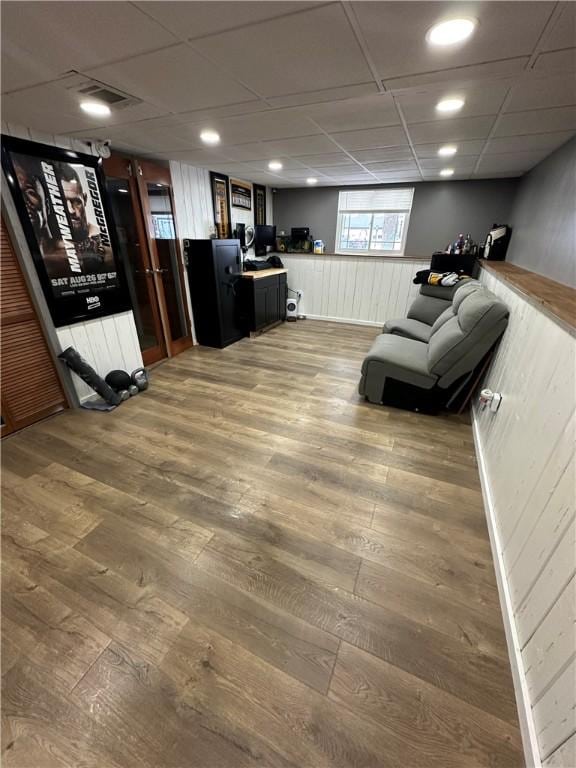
[(30, 387)]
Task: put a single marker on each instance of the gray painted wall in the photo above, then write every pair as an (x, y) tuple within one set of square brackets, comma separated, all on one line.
[(544, 218), (440, 211)]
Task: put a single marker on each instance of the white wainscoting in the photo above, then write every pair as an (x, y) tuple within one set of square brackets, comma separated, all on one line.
[(107, 343), (192, 199), (526, 454), (95, 339), (353, 289)]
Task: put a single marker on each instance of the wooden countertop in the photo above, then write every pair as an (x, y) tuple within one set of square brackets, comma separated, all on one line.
[(556, 300), (257, 274)]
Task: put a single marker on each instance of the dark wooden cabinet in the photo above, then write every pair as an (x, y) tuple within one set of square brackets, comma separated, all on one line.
[(263, 300)]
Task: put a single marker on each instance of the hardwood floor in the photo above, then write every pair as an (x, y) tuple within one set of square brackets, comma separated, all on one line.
[(247, 565)]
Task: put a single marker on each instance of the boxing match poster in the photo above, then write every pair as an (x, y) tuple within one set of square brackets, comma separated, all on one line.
[(62, 207)]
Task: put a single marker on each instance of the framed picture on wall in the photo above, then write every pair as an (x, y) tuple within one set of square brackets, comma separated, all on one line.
[(62, 205), (241, 194), (221, 202), (259, 204)]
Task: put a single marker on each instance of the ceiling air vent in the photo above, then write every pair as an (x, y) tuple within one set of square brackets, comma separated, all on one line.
[(83, 85)]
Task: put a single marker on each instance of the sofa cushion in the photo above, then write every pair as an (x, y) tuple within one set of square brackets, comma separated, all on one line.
[(463, 290), (444, 292), (399, 358), (410, 329), (427, 308), (444, 317)]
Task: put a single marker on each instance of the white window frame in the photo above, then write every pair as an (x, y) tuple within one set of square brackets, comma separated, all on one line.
[(342, 211)]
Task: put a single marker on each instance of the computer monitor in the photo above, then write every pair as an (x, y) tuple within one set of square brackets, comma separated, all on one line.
[(264, 234)]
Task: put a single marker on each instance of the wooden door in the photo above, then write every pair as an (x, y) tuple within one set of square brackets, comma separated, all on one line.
[(155, 188), (31, 389), (132, 238)]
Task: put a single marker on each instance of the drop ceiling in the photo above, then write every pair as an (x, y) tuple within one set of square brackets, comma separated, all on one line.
[(342, 91)]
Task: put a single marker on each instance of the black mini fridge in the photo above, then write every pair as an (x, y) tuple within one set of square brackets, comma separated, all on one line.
[(214, 270)]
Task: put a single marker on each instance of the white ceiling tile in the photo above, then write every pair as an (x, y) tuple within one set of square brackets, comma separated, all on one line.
[(318, 161), (393, 177), (419, 105), (254, 150), (537, 121), (542, 141), (20, 69), (373, 137), (451, 130), (563, 33), (395, 165), (356, 178), (538, 93), (175, 78), (227, 110), (287, 163), (382, 154), (53, 109), (458, 76), (293, 174), (306, 145), (464, 148), (371, 112), (304, 52), (343, 171), (203, 158), (197, 19), (556, 61), (396, 33), (327, 94), (460, 164), (62, 36), (278, 124), (434, 175), (514, 161), (157, 140)]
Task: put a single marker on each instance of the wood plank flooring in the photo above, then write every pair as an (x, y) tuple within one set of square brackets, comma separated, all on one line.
[(247, 565)]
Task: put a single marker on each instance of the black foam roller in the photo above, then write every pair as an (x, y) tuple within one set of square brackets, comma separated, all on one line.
[(82, 368)]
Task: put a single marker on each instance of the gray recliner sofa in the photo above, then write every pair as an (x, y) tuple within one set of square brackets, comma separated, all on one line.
[(421, 366), (425, 310)]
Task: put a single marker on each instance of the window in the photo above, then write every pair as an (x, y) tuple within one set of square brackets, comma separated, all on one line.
[(373, 221)]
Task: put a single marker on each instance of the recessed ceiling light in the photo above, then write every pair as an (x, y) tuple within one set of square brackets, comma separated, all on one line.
[(451, 32), (448, 150), (450, 105), (210, 137), (121, 189), (312, 180), (159, 185), (95, 108), (275, 165), (447, 172)]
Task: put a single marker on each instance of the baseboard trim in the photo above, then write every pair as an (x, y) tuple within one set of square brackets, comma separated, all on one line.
[(527, 725), (346, 320)]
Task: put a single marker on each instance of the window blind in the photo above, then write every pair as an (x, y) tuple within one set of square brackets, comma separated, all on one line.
[(376, 199)]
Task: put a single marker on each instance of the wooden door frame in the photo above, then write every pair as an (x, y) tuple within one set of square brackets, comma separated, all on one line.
[(120, 166), (147, 171)]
